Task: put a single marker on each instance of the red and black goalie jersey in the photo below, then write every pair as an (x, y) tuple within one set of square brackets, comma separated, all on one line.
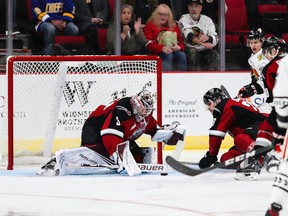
[(114, 124), (235, 116)]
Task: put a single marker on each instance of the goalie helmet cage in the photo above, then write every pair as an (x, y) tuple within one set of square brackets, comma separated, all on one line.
[(49, 98)]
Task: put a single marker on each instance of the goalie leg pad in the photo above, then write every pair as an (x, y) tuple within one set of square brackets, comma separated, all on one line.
[(126, 159), (67, 159)]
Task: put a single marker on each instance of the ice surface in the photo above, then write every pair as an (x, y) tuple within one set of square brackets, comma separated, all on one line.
[(107, 194)]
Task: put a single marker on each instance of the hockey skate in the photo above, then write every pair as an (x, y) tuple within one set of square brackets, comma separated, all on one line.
[(49, 169), (248, 171), (271, 163), (274, 210)]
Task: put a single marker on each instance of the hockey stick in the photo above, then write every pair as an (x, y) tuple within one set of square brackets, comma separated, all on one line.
[(225, 91), (285, 144), (155, 168), (188, 162), (180, 167)]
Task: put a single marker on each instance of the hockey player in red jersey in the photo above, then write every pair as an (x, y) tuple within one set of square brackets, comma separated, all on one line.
[(108, 129), (236, 117)]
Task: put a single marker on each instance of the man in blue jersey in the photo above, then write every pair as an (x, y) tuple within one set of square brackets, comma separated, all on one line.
[(54, 17)]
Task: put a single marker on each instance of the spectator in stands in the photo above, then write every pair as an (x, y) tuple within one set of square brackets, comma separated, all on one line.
[(133, 40), (200, 38), (211, 9), (165, 39), (142, 8), (89, 15), (178, 7), (54, 17)]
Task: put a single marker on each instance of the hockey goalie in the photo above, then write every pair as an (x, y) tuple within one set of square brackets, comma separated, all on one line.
[(109, 138)]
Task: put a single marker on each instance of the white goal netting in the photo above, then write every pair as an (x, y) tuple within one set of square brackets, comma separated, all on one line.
[(53, 96)]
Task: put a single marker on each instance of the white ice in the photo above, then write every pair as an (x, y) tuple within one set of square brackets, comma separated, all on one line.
[(215, 193)]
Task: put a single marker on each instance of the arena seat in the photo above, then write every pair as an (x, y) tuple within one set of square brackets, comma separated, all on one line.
[(236, 28), (102, 39), (273, 18)]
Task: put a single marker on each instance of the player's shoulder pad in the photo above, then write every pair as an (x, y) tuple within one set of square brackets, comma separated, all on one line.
[(124, 109)]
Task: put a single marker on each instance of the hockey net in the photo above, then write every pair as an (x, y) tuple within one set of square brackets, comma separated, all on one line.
[(49, 98)]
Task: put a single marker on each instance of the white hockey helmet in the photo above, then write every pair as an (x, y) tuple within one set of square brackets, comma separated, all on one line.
[(142, 104)]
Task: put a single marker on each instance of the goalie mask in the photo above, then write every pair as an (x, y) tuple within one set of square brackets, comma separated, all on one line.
[(273, 46), (142, 105), (213, 95)]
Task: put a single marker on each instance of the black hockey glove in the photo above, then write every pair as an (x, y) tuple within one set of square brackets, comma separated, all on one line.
[(207, 160), (249, 90)]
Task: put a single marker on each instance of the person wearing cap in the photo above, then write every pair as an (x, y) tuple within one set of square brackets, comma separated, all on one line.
[(201, 37)]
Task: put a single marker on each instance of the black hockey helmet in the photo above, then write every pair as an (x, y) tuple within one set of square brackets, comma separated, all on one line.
[(276, 43), (256, 34), (212, 95)]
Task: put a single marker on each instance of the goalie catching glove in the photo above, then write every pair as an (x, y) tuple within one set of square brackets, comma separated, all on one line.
[(170, 134)]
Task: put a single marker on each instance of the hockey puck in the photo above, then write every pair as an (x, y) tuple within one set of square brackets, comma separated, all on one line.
[(164, 174)]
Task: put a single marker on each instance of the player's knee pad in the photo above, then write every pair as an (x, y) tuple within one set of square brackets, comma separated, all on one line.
[(264, 136)]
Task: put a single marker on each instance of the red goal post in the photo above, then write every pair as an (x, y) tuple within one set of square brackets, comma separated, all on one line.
[(49, 98)]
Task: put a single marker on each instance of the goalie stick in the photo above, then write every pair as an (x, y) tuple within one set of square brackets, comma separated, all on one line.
[(180, 167)]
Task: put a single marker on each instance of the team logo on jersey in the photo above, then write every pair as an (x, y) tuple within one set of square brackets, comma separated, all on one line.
[(197, 32), (260, 57)]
